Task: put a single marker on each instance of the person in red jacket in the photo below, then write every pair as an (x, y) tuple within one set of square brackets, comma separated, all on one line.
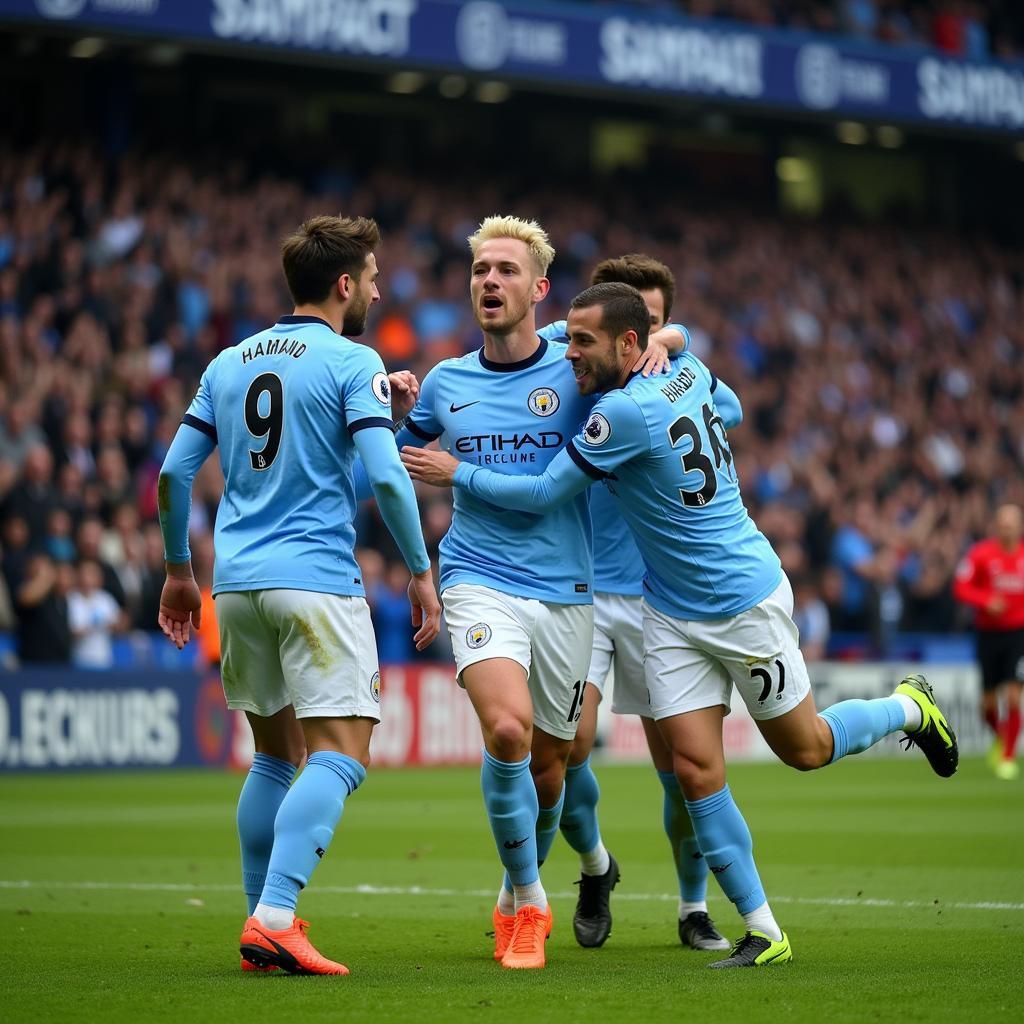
[(991, 580)]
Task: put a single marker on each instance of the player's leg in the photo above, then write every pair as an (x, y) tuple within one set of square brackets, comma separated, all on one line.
[(990, 665), (760, 650), (1007, 673), (1006, 766), (695, 927), (689, 695), (329, 660), (491, 641), (253, 682), (560, 637), (579, 822), (279, 750), (631, 697)]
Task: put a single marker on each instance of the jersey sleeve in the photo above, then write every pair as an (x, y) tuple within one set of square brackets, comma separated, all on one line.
[(200, 413), (615, 432), (558, 331), (366, 392), (727, 402), (684, 345), (422, 423), (970, 585)]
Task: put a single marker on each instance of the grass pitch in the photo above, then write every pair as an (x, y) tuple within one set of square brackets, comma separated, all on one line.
[(903, 895)]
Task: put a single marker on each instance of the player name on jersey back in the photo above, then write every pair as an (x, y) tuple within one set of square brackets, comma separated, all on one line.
[(514, 418), (283, 406), (663, 451)]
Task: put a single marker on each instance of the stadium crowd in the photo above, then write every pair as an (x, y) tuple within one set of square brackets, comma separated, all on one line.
[(964, 28), (881, 371)]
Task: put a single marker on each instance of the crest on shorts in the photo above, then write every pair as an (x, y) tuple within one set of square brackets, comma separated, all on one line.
[(478, 635), (597, 430), (543, 401), (381, 388), (375, 686)]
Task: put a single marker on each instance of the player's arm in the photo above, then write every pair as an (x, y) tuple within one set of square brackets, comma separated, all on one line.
[(971, 587), (196, 438), (615, 432), (727, 402), (562, 480), (367, 410), (413, 425)]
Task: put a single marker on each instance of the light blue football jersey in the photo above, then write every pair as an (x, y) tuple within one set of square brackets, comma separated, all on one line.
[(661, 445), (282, 407), (618, 565), (512, 418)]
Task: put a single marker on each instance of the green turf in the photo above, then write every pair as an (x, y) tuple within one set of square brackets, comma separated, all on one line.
[(867, 830)]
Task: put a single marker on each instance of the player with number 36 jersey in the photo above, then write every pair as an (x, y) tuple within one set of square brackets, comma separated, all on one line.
[(717, 606)]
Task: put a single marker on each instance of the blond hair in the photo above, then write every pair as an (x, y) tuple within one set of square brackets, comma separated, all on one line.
[(529, 231)]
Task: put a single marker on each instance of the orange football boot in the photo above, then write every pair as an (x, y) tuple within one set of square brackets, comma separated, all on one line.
[(246, 966), (526, 949), (504, 925), (287, 948)]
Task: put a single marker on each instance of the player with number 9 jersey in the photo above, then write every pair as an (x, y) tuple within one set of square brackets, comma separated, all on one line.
[(283, 407)]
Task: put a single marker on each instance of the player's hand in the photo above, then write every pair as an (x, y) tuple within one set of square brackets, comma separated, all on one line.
[(180, 603), (656, 358), (405, 390), (996, 604), (426, 609), (430, 467)]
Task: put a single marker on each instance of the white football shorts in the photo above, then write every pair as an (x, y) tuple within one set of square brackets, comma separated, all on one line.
[(314, 651), (691, 665), (619, 642), (551, 641)]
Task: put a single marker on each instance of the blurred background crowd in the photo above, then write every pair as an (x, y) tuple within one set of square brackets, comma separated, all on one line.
[(874, 331), (881, 371)]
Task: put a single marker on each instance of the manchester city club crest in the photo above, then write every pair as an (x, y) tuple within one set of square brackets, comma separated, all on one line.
[(375, 686), (543, 401), (478, 635)]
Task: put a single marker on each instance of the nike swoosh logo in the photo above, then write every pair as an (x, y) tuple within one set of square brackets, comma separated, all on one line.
[(514, 845), (458, 408), (719, 868), (284, 957)]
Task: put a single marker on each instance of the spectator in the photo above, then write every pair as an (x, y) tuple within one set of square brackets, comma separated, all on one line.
[(93, 616), (89, 541), (34, 498), (41, 603)]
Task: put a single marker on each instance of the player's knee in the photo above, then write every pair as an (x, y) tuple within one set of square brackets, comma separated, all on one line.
[(805, 759), (696, 779), (509, 739), (548, 780), (581, 749)]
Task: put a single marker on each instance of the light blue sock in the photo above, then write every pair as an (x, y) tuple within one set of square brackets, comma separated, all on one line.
[(728, 849), (691, 867), (262, 792), (579, 816), (547, 827), (511, 801), (306, 822), (859, 724)]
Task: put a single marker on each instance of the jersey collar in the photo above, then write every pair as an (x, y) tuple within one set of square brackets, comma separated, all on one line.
[(522, 364), (292, 319)]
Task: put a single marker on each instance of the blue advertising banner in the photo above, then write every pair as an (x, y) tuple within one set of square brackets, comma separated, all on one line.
[(70, 719), (598, 47)]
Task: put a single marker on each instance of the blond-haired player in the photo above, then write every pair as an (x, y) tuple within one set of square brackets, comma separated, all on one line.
[(516, 587)]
